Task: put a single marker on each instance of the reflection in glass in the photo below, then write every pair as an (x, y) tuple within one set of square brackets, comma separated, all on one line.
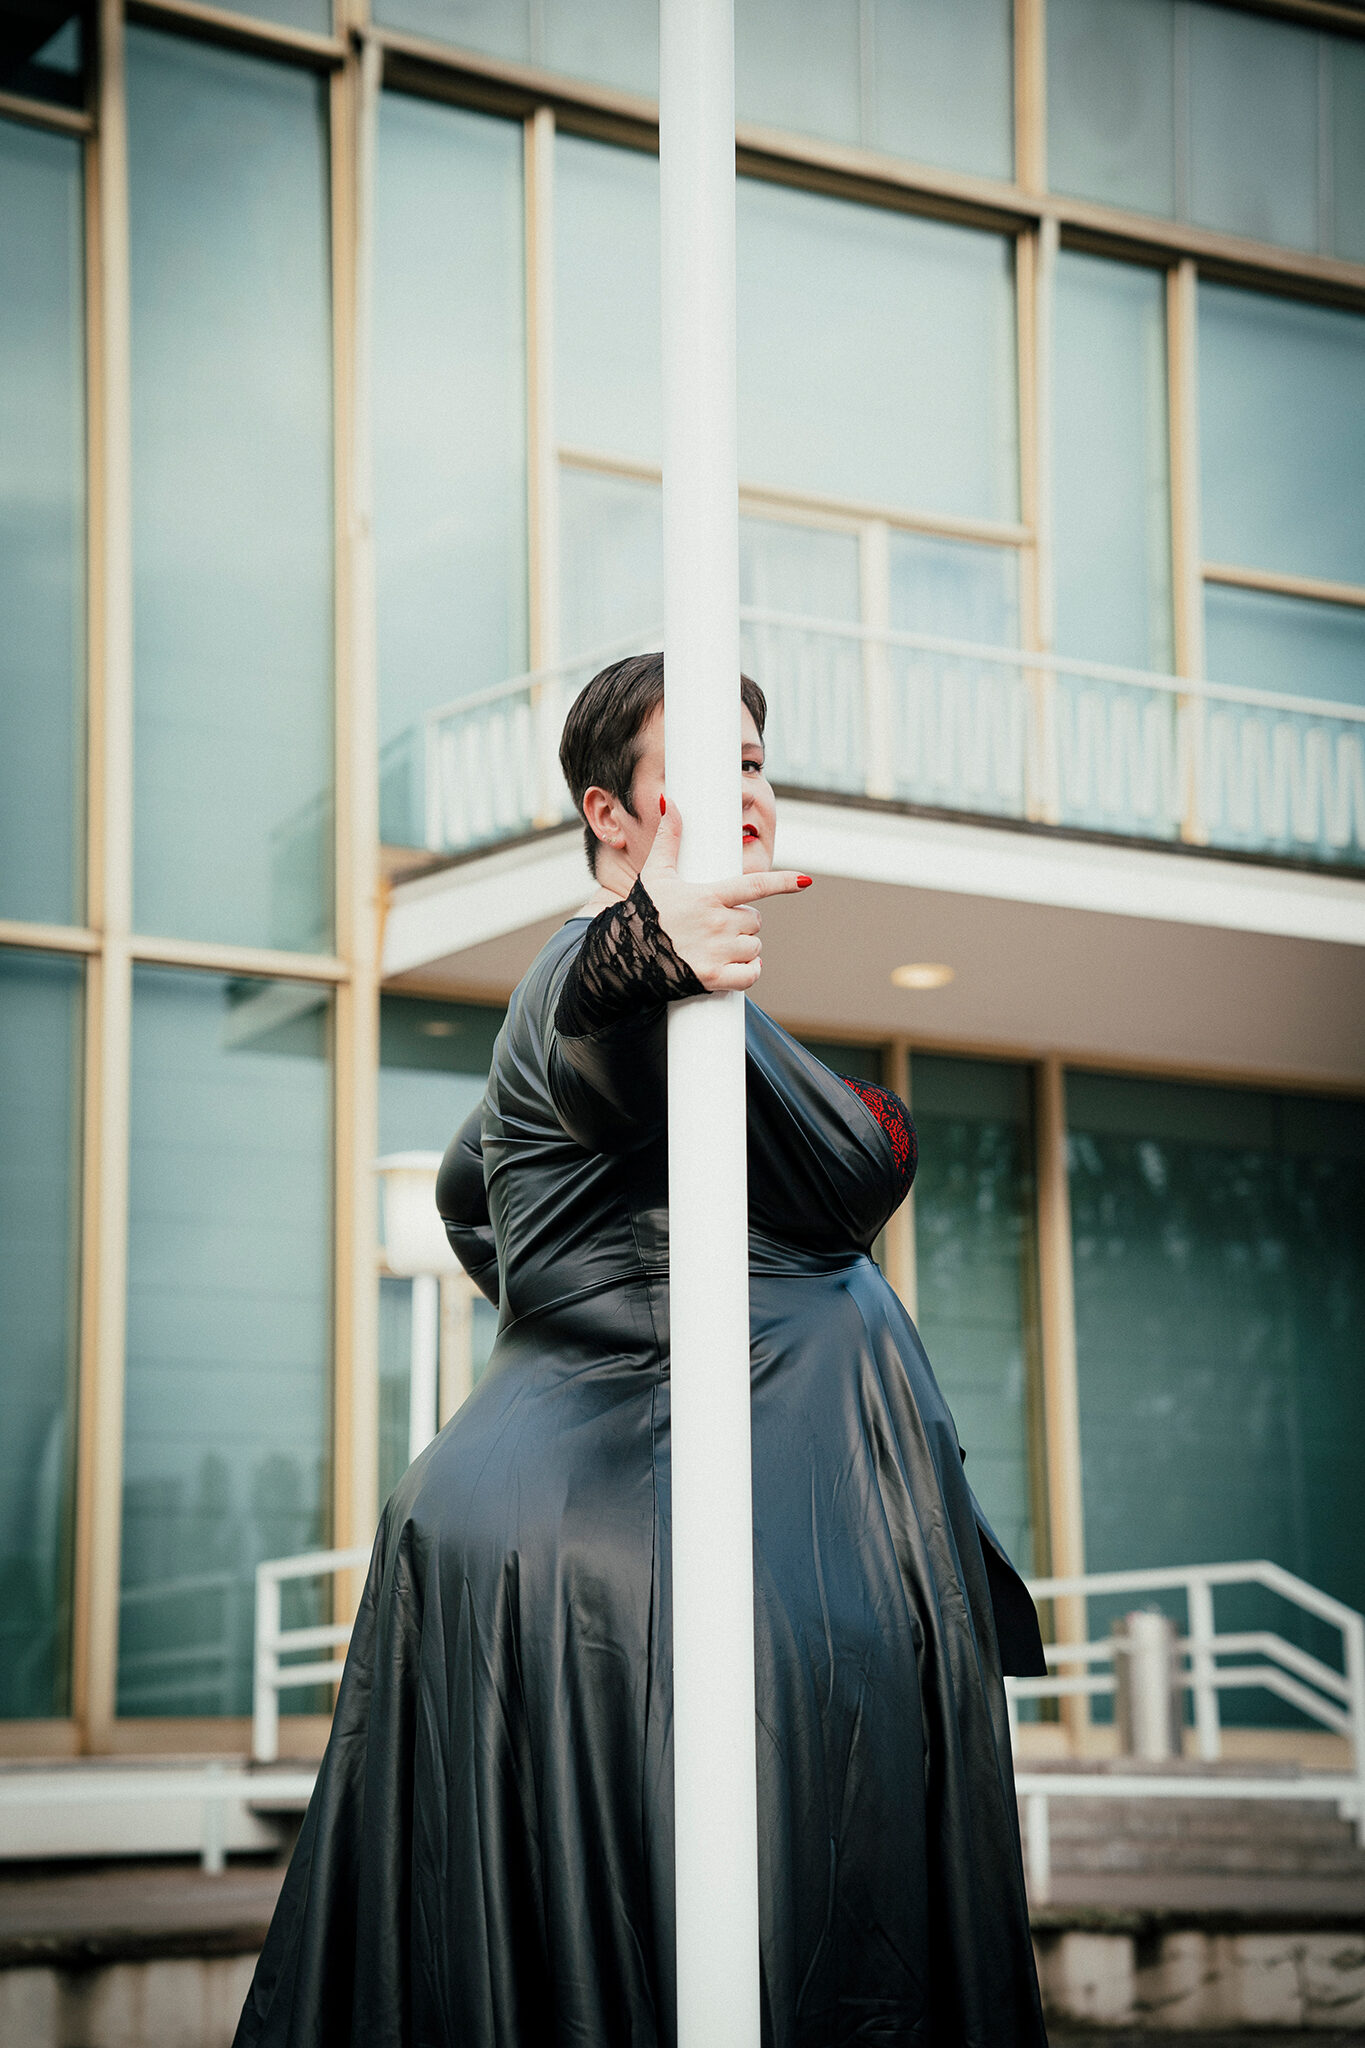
[(226, 1431), (40, 1110), (43, 46), (876, 355), (449, 426), (395, 1369), (309, 14), (1282, 434), (1254, 126), (1111, 463), (42, 526), (798, 65), (232, 495), (1219, 1246), (607, 363), (976, 1273)]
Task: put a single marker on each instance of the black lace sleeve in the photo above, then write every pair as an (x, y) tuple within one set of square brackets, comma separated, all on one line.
[(625, 965)]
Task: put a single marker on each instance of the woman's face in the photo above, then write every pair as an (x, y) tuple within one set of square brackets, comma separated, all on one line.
[(758, 823)]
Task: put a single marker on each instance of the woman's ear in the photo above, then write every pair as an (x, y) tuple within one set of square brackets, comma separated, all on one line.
[(601, 814)]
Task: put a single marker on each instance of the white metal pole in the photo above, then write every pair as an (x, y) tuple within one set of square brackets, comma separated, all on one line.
[(425, 1362), (713, 1588)]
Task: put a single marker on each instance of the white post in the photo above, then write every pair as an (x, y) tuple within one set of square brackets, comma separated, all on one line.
[(1038, 1848), (425, 1362), (713, 1613), (1208, 1736), (265, 1719)]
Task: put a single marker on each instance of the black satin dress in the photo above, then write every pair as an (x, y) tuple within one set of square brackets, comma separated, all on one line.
[(487, 1861)]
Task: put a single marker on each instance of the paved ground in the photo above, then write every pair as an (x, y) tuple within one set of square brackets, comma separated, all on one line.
[(124, 1911)]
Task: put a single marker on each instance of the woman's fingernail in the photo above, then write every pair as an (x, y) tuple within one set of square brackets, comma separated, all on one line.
[(663, 806), (803, 881)]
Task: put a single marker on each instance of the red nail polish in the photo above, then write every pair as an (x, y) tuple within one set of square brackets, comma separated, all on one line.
[(663, 806), (803, 881)]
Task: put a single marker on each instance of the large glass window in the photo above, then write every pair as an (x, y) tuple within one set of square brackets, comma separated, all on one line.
[(928, 79), (40, 1110), (226, 1432), (1209, 114), (433, 1065), (42, 522), (1219, 1244), (232, 495), (450, 435), (976, 1275)]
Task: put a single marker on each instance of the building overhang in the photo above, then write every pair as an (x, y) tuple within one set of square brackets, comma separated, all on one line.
[(1092, 948)]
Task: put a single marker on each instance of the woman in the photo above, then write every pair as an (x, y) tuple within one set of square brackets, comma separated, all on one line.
[(487, 1861)]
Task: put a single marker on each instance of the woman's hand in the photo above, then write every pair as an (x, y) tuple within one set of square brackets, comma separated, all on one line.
[(713, 926)]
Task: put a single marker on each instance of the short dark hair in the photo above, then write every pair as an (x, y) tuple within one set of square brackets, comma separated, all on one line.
[(600, 747)]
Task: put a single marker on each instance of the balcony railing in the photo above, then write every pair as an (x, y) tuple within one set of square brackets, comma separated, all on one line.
[(955, 726)]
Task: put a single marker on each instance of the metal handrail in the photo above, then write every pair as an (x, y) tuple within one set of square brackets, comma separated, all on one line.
[(275, 1642), (1283, 1674)]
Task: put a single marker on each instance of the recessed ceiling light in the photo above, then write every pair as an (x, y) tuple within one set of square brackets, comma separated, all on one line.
[(437, 1027), (922, 974)]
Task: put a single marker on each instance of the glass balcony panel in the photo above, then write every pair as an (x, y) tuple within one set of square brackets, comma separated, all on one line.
[(976, 1272), (42, 527), (1282, 434), (450, 427), (876, 355), (1253, 97), (227, 1423), (942, 77), (1111, 102), (44, 49), (958, 719), (40, 1121), (1218, 1236), (232, 495)]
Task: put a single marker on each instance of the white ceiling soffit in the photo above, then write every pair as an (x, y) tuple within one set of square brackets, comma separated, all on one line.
[(487, 897)]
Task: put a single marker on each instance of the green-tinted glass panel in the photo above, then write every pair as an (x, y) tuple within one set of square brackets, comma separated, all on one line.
[(226, 1429), (315, 15), (942, 82), (1111, 463), (1282, 434), (1261, 641), (42, 526), (1347, 205), (40, 1101), (232, 495), (876, 355), (1111, 121), (861, 1062), (976, 1268), (43, 50), (395, 1371), (607, 348), (500, 28), (449, 425), (798, 65), (615, 42), (1253, 97), (1219, 1245), (812, 678)]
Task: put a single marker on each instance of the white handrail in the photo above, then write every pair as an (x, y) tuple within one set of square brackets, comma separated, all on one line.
[(275, 1642)]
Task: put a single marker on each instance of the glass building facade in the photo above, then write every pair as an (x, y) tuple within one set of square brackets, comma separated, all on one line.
[(330, 432)]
